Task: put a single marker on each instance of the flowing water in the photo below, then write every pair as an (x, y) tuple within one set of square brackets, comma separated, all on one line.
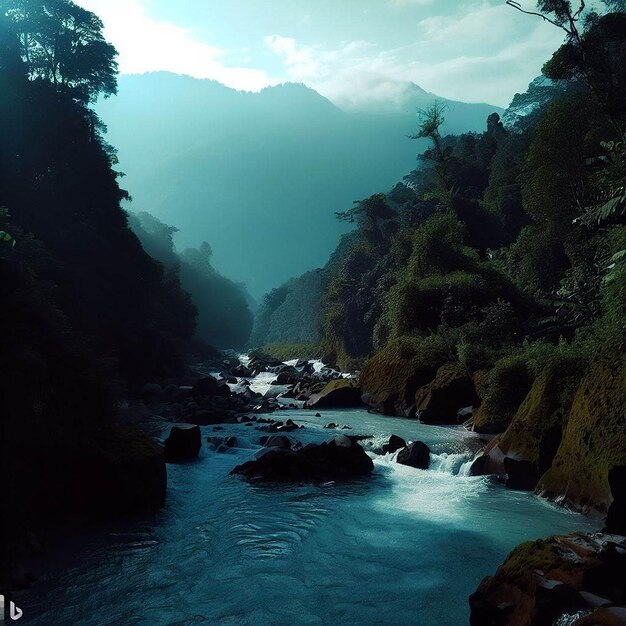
[(402, 547)]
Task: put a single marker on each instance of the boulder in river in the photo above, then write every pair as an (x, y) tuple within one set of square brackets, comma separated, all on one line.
[(390, 379), (223, 443), (440, 400), (184, 442), (394, 443), (416, 454), (338, 459), (541, 581), (152, 393), (209, 386), (276, 441), (340, 393)]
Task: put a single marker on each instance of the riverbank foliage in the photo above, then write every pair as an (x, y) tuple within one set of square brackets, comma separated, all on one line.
[(88, 316), (503, 241)]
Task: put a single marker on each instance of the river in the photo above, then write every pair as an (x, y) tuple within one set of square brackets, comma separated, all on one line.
[(403, 547)]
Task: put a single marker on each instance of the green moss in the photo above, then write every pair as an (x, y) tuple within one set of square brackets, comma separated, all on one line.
[(594, 439), (390, 379), (505, 389), (536, 429), (440, 400), (552, 556)]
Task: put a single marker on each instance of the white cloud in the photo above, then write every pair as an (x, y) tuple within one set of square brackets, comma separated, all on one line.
[(485, 51), (146, 44), (479, 55)]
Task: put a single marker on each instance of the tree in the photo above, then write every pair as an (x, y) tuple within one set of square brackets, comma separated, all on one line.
[(63, 43), (595, 53), (368, 214), (430, 122)]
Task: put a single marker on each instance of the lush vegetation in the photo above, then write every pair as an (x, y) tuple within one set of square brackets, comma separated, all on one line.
[(88, 316), (504, 243)]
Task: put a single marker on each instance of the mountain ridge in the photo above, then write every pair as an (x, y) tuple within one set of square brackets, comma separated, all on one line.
[(215, 162)]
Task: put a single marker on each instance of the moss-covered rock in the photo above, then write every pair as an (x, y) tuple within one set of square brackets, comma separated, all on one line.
[(340, 393), (533, 437), (439, 401), (391, 378), (505, 389), (542, 580), (594, 440)]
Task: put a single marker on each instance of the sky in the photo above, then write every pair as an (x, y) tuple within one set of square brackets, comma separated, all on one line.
[(358, 53)]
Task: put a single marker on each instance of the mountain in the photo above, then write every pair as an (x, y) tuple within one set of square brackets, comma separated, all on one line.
[(259, 175), (526, 108)]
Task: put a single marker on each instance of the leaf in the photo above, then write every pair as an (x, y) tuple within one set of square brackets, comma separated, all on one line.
[(6, 238)]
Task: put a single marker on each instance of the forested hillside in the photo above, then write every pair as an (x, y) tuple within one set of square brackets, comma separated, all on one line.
[(501, 261), (88, 316), (224, 315)]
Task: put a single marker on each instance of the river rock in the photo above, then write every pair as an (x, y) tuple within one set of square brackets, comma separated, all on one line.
[(439, 401), (276, 441), (207, 418), (240, 371), (391, 378), (222, 442), (209, 386), (416, 454), (286, 378), (184, 442), (340, 393), (152, 393), (394, 443), (491, 461), (339, 459), (543, 580)]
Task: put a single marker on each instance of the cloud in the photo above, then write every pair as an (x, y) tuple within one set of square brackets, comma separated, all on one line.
[(483, 51), (483, 54), (404, 3), (146, 44)]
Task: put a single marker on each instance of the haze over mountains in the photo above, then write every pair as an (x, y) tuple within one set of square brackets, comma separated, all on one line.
[(260, 175)]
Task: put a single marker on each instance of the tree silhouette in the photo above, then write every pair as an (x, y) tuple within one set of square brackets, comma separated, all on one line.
[(63, 43)]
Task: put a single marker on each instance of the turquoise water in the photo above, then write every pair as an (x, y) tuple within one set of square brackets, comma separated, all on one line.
[(402, 547)]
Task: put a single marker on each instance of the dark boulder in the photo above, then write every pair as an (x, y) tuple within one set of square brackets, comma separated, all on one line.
[(339, 459), (276, 441), (542, 580), (330, 425), (439, 401), (341, 393), (416, 454), (209, 386), (184, 442), (287, 378), (241, 371), (394, 443), (152, 393)]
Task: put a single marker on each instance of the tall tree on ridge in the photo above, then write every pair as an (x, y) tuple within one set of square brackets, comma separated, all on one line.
[(63, 43)]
